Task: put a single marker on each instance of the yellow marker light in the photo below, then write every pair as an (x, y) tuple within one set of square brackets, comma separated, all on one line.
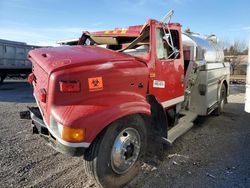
[(123, 31), (73, 134)]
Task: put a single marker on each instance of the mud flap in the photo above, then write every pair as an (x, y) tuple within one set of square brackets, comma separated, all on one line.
[(25, 115)]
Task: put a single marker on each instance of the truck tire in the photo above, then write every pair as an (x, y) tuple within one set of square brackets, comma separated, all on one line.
[(2, 77), (222, 100), (113, 159)]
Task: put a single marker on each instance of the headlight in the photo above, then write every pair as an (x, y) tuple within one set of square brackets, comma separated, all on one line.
[(68, 134)]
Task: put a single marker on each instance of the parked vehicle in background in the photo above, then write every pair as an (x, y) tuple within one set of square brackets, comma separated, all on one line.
[(13, 59), (118, 90)]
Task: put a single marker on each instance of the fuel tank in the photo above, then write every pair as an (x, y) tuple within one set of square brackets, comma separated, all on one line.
[(202, 49)]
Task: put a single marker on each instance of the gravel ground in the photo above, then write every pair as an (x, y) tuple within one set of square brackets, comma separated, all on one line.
[(214, 153)]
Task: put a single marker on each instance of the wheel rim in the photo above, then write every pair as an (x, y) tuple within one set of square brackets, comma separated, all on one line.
[(125, 150), (223, 96), (222, 104)]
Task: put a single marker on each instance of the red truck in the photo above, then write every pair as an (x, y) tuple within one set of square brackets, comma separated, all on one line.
[(105, 97)]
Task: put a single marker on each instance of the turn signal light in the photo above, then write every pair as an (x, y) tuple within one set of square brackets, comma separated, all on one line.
[(70, 86), (31, 78), (42, 95), (73, 134)]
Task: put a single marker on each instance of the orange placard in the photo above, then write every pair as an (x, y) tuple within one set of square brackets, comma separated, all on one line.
[(95, 84)]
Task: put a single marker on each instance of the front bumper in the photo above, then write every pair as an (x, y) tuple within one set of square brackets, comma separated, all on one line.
[(39, 127)]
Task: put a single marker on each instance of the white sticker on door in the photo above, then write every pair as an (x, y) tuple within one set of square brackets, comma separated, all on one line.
[(159, 84)]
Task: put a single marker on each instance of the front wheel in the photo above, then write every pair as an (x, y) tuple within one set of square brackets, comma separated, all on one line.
[(113, 159)]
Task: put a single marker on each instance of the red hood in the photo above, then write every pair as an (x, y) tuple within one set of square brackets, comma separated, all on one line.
[(51, 59)]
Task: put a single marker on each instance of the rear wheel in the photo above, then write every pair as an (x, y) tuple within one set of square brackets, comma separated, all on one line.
[(113, 159), (222, 100)]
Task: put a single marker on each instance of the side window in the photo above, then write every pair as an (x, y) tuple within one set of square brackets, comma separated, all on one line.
[(163, 48), (87, 42), (199, 53), (176, 44)]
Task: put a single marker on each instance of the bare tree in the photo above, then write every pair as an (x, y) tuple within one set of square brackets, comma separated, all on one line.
[(233, 52), (245, 52), (239, 46), (224, 43)]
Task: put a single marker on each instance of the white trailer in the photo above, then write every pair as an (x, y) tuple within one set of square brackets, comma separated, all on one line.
[(247, 101)]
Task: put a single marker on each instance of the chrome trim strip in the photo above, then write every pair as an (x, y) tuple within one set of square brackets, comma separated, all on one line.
[(172, 101)]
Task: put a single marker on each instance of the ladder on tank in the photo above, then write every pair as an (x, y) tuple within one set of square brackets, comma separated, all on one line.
[(185, 123)]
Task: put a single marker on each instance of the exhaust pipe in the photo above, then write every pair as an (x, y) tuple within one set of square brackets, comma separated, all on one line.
[(247, 99)]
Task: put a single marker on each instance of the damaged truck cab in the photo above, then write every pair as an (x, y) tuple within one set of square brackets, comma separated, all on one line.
[(103, 97)]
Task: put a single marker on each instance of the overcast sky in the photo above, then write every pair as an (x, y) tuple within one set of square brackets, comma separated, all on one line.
[(43, 22)]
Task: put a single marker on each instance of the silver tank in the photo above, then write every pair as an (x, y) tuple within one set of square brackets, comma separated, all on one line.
[(203, 50)]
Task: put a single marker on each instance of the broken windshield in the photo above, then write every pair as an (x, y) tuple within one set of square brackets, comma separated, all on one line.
[(140, 46), (136, 46)]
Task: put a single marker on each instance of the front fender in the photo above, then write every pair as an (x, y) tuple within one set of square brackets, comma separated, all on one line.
[(95, 116)]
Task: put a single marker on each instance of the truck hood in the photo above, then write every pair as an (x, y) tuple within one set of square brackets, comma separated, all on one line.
[(51, 59)]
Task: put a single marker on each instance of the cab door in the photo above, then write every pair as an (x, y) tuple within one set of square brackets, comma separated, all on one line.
[(168, 84)]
